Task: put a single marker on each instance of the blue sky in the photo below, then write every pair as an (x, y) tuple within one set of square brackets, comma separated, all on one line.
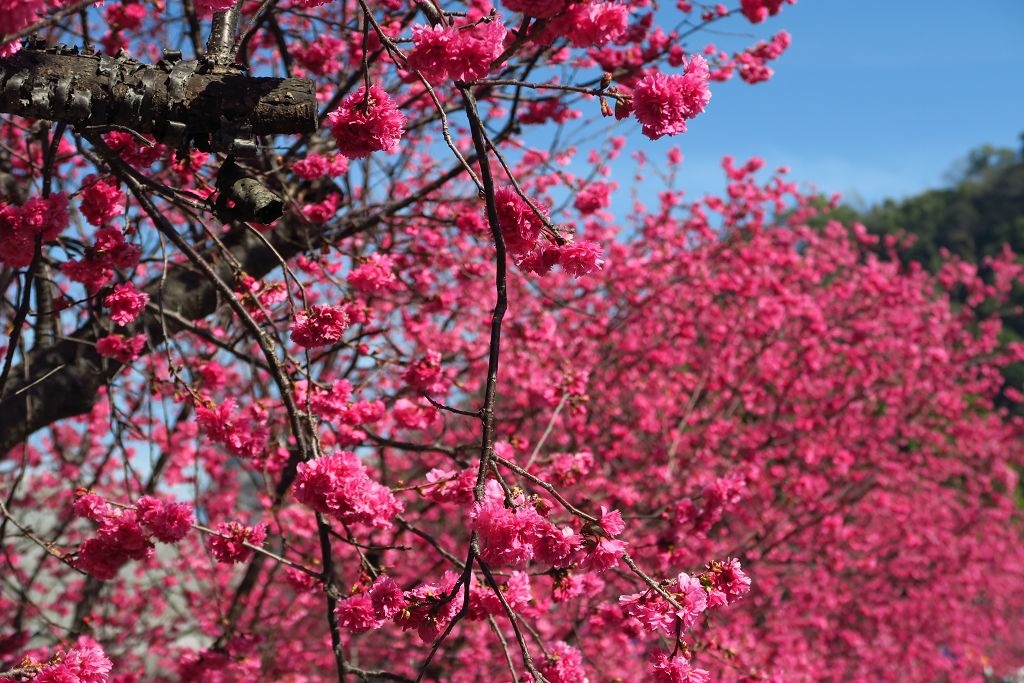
[(874, 99)]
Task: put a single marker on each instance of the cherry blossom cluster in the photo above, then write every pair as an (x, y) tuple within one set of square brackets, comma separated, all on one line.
[(83, 662), (96, 267), (22, 226), (368, 121), (240, 431), (233, 542), (126, 534), (319, 326), (459, 53), (101, 200), (339, 485), (663, 103), (522, 224)]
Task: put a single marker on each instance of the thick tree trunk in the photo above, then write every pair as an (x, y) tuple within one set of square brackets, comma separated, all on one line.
[(179, 102)]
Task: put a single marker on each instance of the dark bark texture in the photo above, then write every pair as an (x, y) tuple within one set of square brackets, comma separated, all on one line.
[(181, 102)]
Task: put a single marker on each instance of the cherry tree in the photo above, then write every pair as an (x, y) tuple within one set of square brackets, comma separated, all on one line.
[(336, 351)]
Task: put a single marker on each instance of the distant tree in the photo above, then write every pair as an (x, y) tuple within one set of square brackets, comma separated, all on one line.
[(981, 211)]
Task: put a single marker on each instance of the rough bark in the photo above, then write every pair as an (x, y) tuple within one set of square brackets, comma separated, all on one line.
[(179, 102)]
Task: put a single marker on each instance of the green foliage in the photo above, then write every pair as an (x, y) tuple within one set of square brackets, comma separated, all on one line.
[(982, 210)]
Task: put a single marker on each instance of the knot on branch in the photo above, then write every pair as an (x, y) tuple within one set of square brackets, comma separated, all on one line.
[(245, 198)]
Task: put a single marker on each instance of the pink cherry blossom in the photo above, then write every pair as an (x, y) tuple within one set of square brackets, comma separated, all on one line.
[(356, 614), (20, 226), (367, 123), (84, 662), (520, 224), (676, 669), (168, 522), (319, 326), (228, 545), (376, 274), (663, 103), (125, 303), (121, 348), (102, 201), (338, 485), (663, 435), (759, 10), (580, 258), (542, 9), (461, 53)]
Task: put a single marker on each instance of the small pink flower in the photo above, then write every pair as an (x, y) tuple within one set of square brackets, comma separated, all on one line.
[(564, 665), (229, 546), (759, 10), (430, 607), (557, 546), (101, 200), (580, 258), (425, 372), (432, 46), (339, 485), (542, 9), (92, 273), (507, 535), (85, 662), (412, 416), (21, 225), (125, 16), (356, 614), (692, 597), (593, 197), (319, 326), (374, 275), (387, 598), (604, 555), (120, 348), (541, 260), (446, 486), (45, 217), (319, 213), (728, 582), (611, 522), (16, 16), (520, 224), (133, 150), (313, 166), (92, 507), (594, 24), (206, 8), (169, 522), (363, 125), (96, 268), (662, 104), (244, 437), (120, 539), (111, 249), (321, 55), (461, 53), (675, 670), (650, 610), (125, 303)]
